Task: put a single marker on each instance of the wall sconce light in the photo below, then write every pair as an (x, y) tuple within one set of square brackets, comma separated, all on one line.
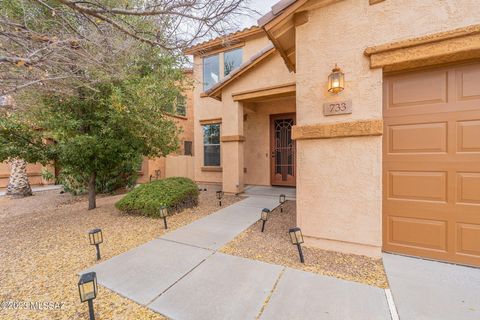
[(163, 212), (88, 289), (264, 217), (96, 238), (336, 80), (219, 197), (297, 239), (281, 199)]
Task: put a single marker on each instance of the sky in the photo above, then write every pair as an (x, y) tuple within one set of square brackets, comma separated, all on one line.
[(262, 6)]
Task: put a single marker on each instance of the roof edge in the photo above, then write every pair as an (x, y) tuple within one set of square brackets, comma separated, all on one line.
[(221, 41)]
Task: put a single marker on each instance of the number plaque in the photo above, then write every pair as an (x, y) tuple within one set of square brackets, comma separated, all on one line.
[(339, 107)]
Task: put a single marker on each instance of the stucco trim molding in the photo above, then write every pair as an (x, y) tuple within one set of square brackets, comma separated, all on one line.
[(445, 47), (210, 121), (234, 138), (358, 128), (211, 169)]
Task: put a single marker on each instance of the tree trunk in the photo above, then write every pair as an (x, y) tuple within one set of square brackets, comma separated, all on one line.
[(92, 192), (18, 185)]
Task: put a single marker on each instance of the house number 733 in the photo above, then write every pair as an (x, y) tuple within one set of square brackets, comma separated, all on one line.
[(339, 107)]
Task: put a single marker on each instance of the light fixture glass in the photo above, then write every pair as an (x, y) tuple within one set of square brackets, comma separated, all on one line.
[(95, 236), (163, 212), (264, 215), (336, 80), (87, 286)]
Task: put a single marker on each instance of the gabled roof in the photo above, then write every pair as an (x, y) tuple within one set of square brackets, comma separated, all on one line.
[(223, 41), (215, 91)]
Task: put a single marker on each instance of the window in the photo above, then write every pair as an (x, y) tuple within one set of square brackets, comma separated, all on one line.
[(211, 73), (181, 105), (187, 148), (211, 145), (232, 60)]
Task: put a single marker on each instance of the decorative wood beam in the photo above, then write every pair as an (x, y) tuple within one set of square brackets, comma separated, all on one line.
[(234, 138), (357, 128)]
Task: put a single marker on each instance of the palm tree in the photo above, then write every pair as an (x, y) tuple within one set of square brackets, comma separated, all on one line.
[(18, 185)]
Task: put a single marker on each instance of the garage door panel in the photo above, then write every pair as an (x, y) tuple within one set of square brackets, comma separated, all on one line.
[(418, 91), (417, 185), (468, 79), (431, 164), (468, 188), (468, 135), (418, 138), (419, 233), (468, 236)]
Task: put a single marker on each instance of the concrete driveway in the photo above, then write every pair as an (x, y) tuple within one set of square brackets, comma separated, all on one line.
[(430, 290)]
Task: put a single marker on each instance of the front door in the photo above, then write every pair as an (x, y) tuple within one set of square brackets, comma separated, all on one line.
[(282, 165)]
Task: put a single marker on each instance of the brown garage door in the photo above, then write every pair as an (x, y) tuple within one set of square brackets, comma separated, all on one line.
[(431, 164)]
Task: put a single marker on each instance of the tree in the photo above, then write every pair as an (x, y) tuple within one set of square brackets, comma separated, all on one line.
[(98, 131), (54, 45)]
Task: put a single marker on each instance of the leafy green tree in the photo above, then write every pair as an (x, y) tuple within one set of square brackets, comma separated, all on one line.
[(99, 130)]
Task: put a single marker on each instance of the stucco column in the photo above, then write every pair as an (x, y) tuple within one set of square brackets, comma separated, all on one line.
[(232, 147)]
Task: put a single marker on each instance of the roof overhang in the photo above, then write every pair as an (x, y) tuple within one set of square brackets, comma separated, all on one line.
[(281, 22), (225, 41)]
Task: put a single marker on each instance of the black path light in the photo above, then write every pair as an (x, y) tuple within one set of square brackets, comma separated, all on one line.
[(282, 199), (297, 239), (163, 211), (87, 288), (96, 238), (219, 197), (264, 217)]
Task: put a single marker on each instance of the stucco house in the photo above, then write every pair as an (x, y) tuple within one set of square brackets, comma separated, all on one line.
[(384, 153)]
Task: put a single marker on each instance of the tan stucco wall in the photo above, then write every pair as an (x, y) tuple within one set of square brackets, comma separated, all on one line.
[(208, 108), (149, 166), (257, 134), (339, 187)]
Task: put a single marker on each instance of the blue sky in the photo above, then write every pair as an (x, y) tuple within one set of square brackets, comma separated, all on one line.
[(262, 6)]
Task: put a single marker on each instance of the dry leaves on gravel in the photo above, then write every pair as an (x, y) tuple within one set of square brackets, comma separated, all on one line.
[(44, 244), (274, 246)]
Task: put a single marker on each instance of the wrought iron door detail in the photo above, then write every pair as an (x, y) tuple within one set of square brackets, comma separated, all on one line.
[(284, 149)]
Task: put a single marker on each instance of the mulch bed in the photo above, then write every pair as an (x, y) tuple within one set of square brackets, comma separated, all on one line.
[(44, 244), (274, 246)]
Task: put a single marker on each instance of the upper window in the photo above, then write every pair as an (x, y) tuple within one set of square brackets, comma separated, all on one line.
[(181, 105), (211, 145), (211, 73), (232, 60)]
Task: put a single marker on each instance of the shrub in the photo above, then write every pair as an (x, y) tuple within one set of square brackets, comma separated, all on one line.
[(175, 193)]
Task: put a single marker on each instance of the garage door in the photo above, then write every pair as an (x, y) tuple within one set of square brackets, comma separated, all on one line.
[(431, 168)]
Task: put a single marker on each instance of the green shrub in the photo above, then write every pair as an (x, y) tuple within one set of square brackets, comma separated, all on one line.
[(175, 193)]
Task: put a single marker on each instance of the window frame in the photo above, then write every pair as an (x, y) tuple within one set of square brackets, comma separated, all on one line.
[(224, 60), (212, 144), (204, 59)]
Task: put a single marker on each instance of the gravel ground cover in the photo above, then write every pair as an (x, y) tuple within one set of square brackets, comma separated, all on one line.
[(44, 244), (274, 246)]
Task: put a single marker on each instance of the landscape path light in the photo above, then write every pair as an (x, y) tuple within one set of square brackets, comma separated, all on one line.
[(88, 289), (163, 211), (219, 197), (96, 237), (264, 217), (297, 239), (282, 200)]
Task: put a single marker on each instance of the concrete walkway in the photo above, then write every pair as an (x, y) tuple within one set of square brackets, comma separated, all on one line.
[(433, 290), (182, 276)]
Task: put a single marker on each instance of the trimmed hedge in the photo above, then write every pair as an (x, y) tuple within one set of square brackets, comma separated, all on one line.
[(175, 193)]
